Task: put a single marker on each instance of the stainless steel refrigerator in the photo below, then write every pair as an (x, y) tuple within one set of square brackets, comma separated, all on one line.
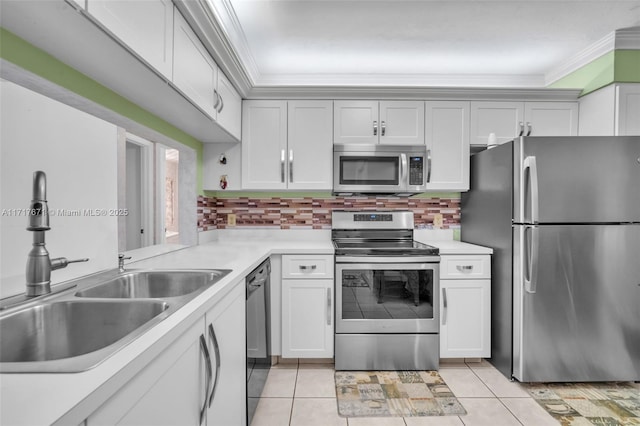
[(563, 217)]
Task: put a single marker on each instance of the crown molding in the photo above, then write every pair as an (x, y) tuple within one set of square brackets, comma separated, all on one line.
[(414, 93), (628, 38), (401, 80), (625, 38)]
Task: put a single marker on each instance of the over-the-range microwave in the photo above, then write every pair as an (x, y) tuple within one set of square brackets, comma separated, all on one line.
[(380, 169)]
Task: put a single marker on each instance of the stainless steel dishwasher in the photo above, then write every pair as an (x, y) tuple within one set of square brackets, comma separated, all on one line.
[(258, 334)]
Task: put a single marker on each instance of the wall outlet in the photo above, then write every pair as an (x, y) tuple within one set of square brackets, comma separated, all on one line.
[(231, 219), (437, 220)]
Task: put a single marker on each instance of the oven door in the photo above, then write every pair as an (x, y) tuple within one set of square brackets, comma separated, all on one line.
[(387, 296)]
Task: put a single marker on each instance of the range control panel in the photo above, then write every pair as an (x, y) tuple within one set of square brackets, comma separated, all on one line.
[(372, 217), (416, 170)]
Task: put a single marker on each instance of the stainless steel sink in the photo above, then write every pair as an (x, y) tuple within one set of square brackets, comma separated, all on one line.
[(155, 284), (93, 317), (68, 329)]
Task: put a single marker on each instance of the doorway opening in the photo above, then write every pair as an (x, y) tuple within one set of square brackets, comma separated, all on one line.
[(171, 220)]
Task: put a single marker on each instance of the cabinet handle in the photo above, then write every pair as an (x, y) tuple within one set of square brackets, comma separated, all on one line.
[(529, 128), (205, 351), (305, 267), (444, 306), (217, 98), (328, 306), (290, 165), (521, 128), (216, 351), (428, 165), (375, 128), (464, 268), (383, 130), (221, 104), (282, 165)]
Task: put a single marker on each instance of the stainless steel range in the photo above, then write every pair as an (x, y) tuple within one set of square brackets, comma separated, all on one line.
[(387, 288)]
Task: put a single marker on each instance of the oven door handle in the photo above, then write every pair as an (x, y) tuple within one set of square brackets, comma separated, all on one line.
[(374, 260)]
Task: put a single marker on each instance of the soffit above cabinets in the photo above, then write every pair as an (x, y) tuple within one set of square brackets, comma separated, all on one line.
[(403, 44)]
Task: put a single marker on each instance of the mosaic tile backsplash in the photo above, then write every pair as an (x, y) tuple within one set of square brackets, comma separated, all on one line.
[(315, 213)]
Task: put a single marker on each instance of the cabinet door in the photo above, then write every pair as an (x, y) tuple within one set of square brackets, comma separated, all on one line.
[(226, 321), (402, 123), (628, 110), (307, 318), (356, 122), (447, 138), (169, 391), (465, 318), (264, 144), (503, 119), (145, 26), (229, 107), (194, 72), (310, 144), (551, 118)]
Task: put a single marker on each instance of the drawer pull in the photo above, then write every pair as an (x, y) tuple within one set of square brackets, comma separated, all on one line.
[(305, 267), (464, 268)]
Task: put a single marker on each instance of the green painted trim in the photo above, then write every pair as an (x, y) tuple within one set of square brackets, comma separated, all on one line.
[(627, 66), (27, 56), (310, 194)]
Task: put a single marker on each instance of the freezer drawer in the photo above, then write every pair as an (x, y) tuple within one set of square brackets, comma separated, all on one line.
[(576, 303)]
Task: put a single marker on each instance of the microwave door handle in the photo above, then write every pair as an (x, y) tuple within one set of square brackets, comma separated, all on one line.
[(403, 171), (428, 165)]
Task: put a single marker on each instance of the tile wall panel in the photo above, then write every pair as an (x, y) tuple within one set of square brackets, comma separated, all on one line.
[(315, 213)]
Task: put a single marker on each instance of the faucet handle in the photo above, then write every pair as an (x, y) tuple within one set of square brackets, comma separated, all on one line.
[(62, 262), (123, 257)]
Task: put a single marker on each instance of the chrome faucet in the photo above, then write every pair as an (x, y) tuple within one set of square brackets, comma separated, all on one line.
[(121, 259), (39, 265)]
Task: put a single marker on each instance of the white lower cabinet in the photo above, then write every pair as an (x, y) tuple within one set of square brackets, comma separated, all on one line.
[(307, 307), (227, 322), (188, 384), (465, 307)]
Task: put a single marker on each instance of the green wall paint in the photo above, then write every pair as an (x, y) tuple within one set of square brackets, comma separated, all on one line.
[(619, 66), (18, 51), (627, 66)]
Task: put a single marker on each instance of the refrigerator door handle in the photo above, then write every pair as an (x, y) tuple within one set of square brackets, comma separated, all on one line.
[(531, 165), (531, 272)]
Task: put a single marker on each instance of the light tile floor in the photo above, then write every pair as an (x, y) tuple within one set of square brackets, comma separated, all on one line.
[(304, 395)]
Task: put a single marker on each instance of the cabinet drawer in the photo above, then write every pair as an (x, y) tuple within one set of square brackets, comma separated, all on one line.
[(465, 267), (307, 266)]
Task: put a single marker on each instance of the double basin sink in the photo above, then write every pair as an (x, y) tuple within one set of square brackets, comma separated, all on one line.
[(78, 328)]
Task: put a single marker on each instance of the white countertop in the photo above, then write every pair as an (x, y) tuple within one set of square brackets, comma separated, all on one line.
[(69, 398)]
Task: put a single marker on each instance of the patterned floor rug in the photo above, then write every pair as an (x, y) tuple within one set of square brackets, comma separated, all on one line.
[(587, 404), (394, 393)]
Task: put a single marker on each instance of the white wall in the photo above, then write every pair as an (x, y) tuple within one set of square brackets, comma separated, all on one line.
[(78, 152)]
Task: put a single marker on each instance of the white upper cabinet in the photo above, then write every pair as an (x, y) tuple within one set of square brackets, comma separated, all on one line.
[(447, 139), (287, 145), (499, 118), (229, 106), (355, 122), (194, 72), (508, 120), (551, 118), (611, 111), (264, 144), (384, 122), (145, 26), (401, 123), (310, 144), (627, 110)]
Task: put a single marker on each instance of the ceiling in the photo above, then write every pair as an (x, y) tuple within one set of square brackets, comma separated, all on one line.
[(427, 43)]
